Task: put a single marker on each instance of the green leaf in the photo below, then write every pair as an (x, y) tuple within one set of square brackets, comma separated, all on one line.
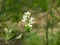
[(27, 28), (19, 36)]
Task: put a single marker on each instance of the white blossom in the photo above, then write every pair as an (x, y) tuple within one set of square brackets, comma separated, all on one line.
[(31, 20), (23, 20), (27, 19), (26, 16), (27, 13), (30, 25)]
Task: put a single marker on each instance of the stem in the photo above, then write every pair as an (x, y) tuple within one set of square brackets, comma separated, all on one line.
[(47, 35), (51, 13), (52, 35), (47, 29)]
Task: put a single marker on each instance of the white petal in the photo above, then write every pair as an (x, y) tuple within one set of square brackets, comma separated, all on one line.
[(31, 18), (27, 13), (29, 25), (23, 20)]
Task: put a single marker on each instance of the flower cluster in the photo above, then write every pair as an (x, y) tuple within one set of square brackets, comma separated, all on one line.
[(25, 16), (28, 20)]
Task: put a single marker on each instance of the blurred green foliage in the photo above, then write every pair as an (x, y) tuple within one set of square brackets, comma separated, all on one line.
[(13, 10), (32, 39)]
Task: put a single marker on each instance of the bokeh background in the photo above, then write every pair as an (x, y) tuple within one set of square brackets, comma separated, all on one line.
[(46, 29)]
